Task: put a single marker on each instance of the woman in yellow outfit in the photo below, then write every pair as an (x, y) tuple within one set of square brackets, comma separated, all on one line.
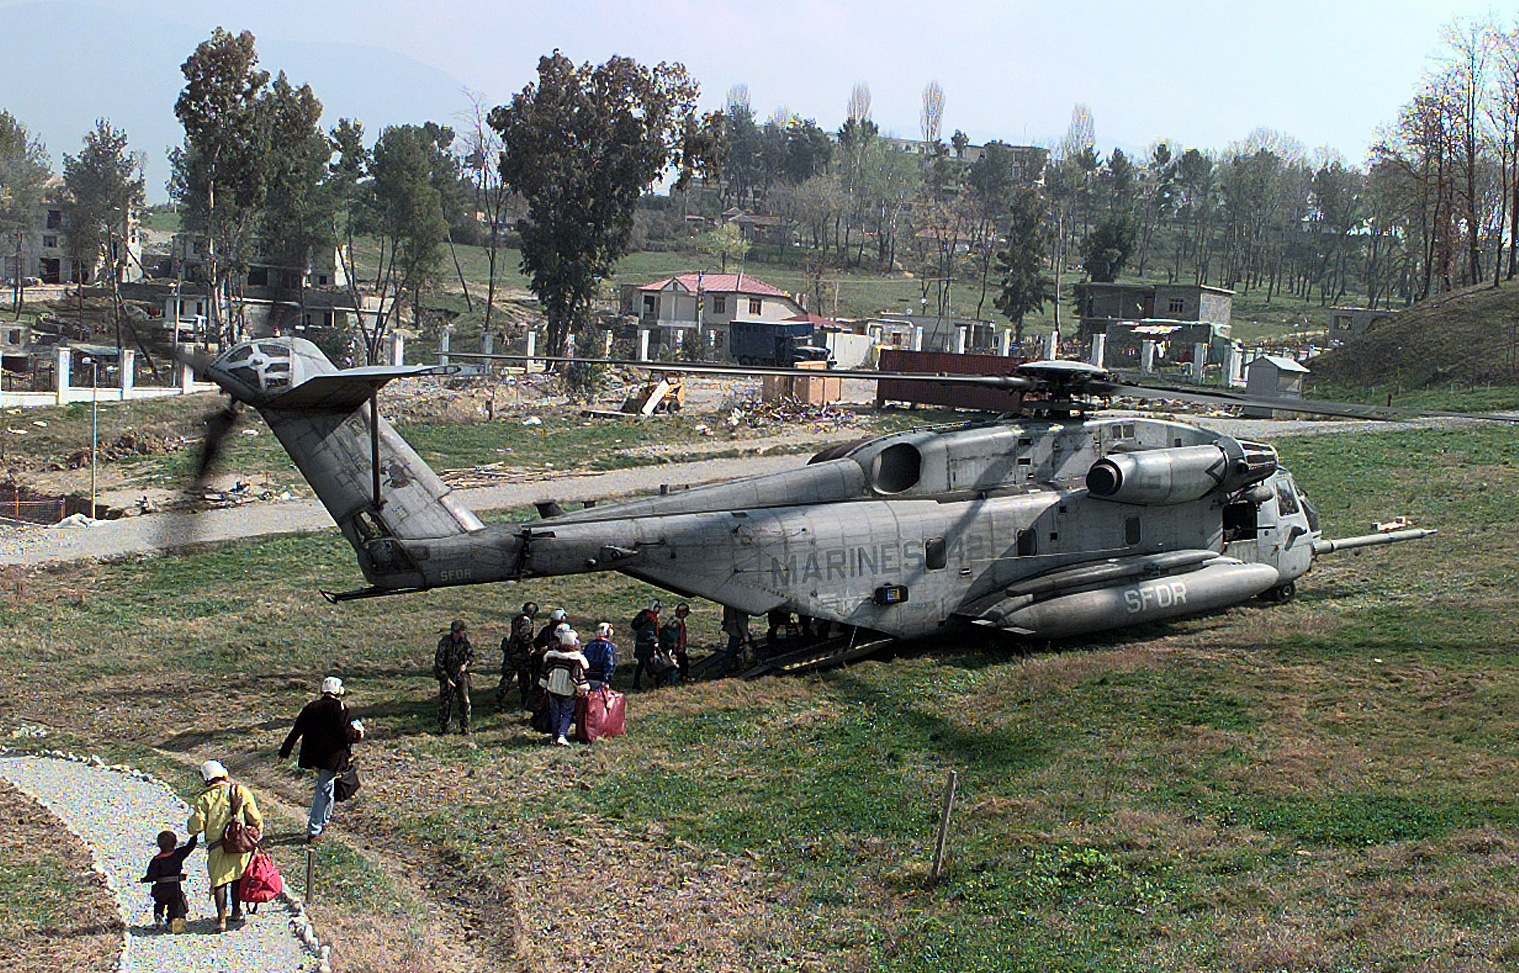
[(212, 811)]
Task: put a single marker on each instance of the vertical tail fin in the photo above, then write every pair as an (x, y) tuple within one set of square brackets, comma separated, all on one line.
[(322, 416)]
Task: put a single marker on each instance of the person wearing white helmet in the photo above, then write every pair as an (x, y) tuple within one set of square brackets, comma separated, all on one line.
[(327, 736), (548, 635), (220, 803), (601, 657), (563, 679)]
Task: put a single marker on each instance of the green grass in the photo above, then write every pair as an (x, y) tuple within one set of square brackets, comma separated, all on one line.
[(1322, 785)]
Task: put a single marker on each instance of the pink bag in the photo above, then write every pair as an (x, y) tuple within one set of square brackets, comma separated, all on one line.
[(262, 881), (601, 713)]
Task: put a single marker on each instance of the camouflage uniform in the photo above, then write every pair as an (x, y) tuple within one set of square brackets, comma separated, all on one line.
[(451, 669), (516, 660)]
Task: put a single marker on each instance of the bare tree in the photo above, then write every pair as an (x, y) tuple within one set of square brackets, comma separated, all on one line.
[(1080, 135), (859, 103), (482, 159), (931, 116)]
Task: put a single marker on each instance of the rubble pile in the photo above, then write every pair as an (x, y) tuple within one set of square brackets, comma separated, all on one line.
[(129, 443)]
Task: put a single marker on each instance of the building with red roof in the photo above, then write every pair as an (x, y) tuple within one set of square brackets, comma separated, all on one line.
[(679, 307)]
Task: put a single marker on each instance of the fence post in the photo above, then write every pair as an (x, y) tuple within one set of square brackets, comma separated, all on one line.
[(310, 875), (949, 804)]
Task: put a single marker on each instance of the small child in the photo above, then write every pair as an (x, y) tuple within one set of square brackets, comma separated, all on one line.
[(166, 872)]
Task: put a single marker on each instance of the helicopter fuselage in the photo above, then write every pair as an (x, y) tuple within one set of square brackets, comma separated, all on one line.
[(1044, 527)]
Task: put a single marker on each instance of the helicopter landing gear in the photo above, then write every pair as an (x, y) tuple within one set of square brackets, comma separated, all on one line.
[(1281, 594)]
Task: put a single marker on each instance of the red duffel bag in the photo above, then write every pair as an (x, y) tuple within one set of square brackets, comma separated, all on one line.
[(600, 713)]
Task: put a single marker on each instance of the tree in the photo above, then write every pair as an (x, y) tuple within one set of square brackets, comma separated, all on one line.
[(725, 242), (406, 213), (931, 115), (482, 162), (219, 172), (24, 171), (580, 146), (295, 221), (105, 184), (1107, 248), (1024, 287)]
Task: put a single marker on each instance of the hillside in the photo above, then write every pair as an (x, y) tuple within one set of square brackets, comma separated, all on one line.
[(1468, 337)]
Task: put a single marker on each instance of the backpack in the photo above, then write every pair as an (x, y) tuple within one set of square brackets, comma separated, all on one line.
[(238, 837), (262, 881)]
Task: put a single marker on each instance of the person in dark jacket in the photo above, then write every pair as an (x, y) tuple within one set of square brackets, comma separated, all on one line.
[(327, 736), (166, 873), (601, 657), (645, 628)]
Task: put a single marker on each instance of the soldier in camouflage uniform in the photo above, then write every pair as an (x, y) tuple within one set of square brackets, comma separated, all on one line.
[(451, 669), (517, 657)]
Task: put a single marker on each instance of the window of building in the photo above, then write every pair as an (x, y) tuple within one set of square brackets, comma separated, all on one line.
[(321, 280), (755, 305), (1176, 306), (719, 304), (49, 241), (54, 219), (648, 304)]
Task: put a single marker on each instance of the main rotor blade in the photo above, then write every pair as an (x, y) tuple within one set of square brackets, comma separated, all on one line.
[(218, 424), (1010, 383), (1346, 410)]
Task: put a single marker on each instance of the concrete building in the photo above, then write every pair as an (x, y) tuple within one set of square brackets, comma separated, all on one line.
[(44, 251), (1349, 323), (1101, 304)]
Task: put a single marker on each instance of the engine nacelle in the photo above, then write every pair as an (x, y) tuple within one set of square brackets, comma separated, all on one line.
[(1178, 475)]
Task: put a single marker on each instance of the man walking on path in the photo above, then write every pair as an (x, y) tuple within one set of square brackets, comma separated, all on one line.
[(327, 735), (451, 669)]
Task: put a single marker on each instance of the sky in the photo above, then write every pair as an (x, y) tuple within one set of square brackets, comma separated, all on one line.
[(1200, 74)]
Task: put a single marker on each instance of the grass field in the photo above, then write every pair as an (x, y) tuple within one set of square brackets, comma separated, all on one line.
[(1325, 785)]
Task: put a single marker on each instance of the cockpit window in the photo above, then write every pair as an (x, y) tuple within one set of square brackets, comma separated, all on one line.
[(1286, 497), (1310, 512)]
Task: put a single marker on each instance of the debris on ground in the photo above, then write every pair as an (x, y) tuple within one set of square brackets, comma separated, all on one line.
[(129, 443)]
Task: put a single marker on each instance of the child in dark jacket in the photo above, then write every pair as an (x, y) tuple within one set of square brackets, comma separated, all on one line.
[(166, 872)]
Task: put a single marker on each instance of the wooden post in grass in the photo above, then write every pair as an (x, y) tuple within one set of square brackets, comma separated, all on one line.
[(310, 874), (949, 805)]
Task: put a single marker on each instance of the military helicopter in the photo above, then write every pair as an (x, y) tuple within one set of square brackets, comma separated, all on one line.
[(1049, 524)]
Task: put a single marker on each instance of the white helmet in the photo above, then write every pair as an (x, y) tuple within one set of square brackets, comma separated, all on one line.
[(604, 630), (568, 638), (212, 770), (561, 628), (332, 686), (557, 615)]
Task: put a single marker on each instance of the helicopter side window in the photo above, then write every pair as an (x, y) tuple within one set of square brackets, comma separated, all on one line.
[(1028, 543), (934, 554), (1131, 531)]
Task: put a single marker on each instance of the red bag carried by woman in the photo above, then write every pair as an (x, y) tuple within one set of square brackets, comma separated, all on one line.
[(262, 881)]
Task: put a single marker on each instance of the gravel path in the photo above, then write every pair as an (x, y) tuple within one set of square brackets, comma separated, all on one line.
[(117, 815)]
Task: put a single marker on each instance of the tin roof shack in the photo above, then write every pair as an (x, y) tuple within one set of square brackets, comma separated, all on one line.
[(1348, 323), (1272, 375)]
